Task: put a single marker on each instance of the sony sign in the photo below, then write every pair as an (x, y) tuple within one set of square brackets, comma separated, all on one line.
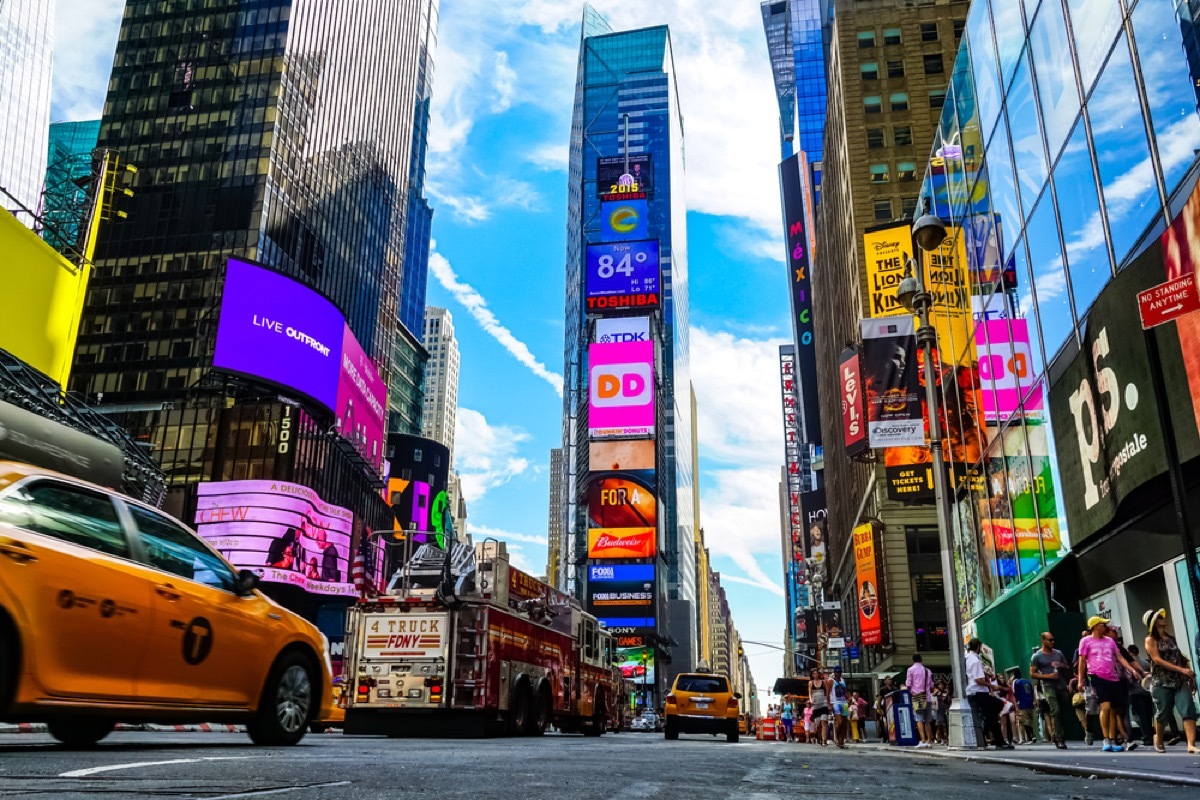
[(622, 330)]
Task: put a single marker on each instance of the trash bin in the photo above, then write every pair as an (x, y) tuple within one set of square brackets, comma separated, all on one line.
[(904, 724)]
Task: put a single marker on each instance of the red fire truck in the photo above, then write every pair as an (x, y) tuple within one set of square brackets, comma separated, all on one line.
[(487, 650)]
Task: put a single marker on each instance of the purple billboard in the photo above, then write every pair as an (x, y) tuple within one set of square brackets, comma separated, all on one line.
[(277, 330), (282, 531)]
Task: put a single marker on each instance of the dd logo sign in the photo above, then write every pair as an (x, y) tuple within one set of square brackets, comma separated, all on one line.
[(197, 641)]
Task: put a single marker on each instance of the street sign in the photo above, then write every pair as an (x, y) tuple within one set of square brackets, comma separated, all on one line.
[(852, 653), (836, 642), (1168, 301)]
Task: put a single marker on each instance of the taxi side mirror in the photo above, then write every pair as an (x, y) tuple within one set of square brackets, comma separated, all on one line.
[(737, 695), (246, 583)]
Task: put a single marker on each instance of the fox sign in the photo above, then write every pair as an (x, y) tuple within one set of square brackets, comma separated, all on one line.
[(620, 390)]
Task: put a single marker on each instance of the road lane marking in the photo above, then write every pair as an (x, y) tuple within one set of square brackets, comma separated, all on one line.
[(261, 792), (83, 773), (639, 790)]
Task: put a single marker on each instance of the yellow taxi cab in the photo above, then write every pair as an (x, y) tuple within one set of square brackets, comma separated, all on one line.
[(702, 702), (112, 611)]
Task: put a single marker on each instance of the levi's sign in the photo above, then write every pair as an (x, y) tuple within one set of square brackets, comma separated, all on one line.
[(1168, 301)]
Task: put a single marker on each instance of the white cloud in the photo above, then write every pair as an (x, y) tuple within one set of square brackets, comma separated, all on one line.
[(85, 40), (478, 308), (504, 82), (485, 454), (550, 156), (483, 532)]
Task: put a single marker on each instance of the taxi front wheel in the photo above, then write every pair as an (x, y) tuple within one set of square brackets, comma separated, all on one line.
[(287, 702), (80, 732)]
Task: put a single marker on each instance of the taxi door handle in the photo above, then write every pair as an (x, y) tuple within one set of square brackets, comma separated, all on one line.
[(15, 550), (168, 591)]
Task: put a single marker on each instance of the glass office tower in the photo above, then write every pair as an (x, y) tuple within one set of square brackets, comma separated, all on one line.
[(68, 166), (1067, 146), (796, 31), (627, 116), (26, 43)]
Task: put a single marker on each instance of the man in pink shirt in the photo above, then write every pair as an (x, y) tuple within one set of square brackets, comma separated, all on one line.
[(1098, 660), (920, 685)]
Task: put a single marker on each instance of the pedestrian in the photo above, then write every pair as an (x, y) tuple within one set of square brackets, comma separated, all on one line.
[(941, 707), (920, 686), (785, 716), (1121, 698), (860, 718), (853, 709), (1008, 714), (1141, 704), (1022, 690), (839, 695), (1048, 668), (818, 692), (979, 695), (808, 722), (1172, 679), (883, 721), (1099, 667)]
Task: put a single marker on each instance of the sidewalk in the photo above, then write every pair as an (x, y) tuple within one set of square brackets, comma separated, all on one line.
[(1175, 766)]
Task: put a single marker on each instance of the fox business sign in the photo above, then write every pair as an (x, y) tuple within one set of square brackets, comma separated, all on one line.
[(620, 390)]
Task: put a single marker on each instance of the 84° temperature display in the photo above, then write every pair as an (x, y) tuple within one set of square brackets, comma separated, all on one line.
[(622, 275)]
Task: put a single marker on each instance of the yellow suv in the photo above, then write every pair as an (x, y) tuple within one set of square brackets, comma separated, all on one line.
[(701, 702), (112, 611)]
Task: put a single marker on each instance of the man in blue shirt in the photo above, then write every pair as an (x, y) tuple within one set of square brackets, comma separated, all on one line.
[(1026, 702)]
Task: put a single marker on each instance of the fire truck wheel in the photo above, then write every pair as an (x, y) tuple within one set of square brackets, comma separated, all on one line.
[(539, 720), (520, 713), (599, 718)]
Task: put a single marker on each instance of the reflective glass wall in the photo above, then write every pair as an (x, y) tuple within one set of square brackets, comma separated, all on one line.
[(1069, 135)]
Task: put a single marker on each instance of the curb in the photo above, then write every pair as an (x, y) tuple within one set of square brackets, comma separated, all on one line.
[(27, 727), (1055, 768)]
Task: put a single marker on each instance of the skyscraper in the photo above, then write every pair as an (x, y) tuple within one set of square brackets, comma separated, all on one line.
[(626, 408), (68, 166), (796, 31), (269, 137), (26, 41), (555, 572), (441, 379)]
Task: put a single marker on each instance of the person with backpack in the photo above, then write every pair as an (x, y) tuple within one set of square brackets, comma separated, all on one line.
[(1022, 690)]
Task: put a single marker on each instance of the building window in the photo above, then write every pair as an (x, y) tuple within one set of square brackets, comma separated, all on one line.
[(929, 32), (896, 68), (937, 99), (883, 209), (873, 104), (869, 71), (933, 64), (928, 598), (875, 138), (902, 136), (908, 207), (906, 171), (900, 101), (866, 39), (879, 173), (891, 36), (959, 26)]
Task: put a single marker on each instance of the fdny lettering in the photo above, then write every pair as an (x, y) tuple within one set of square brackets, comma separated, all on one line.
[(406, 641)]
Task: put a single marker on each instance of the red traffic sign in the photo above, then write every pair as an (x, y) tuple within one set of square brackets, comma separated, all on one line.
[(1168, 301)]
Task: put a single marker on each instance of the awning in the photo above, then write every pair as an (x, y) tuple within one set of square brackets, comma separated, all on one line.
[(791, 686)]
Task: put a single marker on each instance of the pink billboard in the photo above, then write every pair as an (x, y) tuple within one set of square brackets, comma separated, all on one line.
[(1006, 365), (621, 390), (361, 402), (283, 531)]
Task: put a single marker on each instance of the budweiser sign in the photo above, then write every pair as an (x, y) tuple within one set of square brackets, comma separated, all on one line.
[(621, 543)]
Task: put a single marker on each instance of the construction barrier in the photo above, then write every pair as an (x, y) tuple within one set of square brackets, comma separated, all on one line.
[(766, 729)]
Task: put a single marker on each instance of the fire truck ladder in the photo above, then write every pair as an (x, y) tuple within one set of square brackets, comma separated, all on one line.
[(470, 658)]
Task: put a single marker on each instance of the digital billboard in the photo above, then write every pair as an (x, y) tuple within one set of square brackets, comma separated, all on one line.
[(623, 593), (279, 331), (284, 532), (636, 665), (621, 543), (1007, 369), (622, 500), (622, 276), (419, 473), (622, 330), (624, 177), (865, 570), (624, 219), (797, 215), (621, 454), (891, 384), (41, 303), (621, 390)]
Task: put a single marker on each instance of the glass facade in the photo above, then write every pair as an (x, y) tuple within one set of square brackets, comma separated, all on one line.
[(26, 39), (1079, 138), (796, 33), (626, 104), (68, 165)]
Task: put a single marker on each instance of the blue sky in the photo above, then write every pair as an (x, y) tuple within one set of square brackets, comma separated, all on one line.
[(503, 88)]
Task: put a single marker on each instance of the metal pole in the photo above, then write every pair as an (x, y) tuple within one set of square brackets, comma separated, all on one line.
[(1175, 473), (958, 718)]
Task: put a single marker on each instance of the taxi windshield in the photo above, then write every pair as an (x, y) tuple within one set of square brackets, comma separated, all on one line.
[(701, 683)]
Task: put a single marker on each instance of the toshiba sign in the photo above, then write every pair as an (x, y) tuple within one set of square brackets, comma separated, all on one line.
[(621, 390), (621, 543)]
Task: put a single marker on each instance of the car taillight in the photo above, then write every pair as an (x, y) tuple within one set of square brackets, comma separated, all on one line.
[(363, 689), (671, 698)]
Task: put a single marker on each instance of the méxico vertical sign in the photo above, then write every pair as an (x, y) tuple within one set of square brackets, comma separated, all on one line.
[(797, 221)]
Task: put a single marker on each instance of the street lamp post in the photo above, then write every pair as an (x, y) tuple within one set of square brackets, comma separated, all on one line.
[(928, 233)]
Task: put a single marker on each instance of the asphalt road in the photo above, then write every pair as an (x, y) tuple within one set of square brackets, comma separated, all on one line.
[(628, 766)]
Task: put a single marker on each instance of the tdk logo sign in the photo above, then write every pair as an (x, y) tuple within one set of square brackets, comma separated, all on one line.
[(617, 385), (624, 338)]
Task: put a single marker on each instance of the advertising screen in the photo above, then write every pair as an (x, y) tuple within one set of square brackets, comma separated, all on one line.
[(280, 331), (869, 617), (623, 593), (622, 276), (637, 665), (854, 428), (621, 543), (624, 219), (41, 303), (622, 500), (797, 215), (1007, 369), (890, 383), (417, 487), (621, 390), (887, 248), (361, 401), (616, 180), (284, 532), (622, 330), (623, 454)]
